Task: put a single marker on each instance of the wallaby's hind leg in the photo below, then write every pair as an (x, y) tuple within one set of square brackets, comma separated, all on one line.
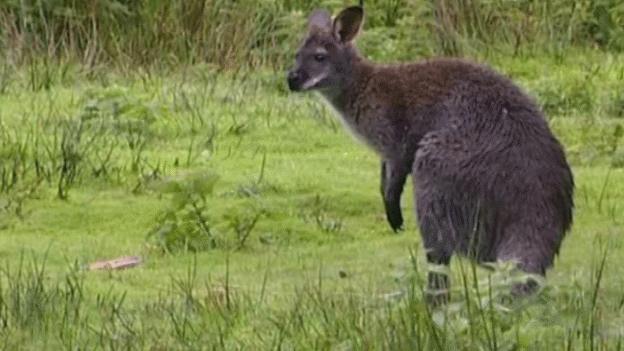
[(437, 282), (435, 232), (444, 216), (432, 210)]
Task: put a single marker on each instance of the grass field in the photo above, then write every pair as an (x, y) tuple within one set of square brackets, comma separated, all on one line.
[(259, 221)]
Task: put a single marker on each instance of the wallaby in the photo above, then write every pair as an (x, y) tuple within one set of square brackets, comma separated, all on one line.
[(491, 181)]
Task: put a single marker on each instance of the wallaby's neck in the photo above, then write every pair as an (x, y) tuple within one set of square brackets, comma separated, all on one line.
[(356, 72)]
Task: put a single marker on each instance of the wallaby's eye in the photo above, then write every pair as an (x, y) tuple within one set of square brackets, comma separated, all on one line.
[(319, 57)]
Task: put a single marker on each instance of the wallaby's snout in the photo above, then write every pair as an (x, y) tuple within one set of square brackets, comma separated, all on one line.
[(295, 79)]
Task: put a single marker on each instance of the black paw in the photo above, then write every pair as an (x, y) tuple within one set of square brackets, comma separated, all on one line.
[(395, 219)]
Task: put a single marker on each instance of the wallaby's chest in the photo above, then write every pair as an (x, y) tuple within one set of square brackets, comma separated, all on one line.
[(357, 128), (371, 128)]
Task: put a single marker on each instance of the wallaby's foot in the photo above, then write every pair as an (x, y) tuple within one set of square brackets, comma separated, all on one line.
[(529, 288), (520, 291)]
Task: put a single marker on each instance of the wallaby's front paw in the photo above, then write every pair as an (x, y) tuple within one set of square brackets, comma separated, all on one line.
[(397, 227), (396, 221)]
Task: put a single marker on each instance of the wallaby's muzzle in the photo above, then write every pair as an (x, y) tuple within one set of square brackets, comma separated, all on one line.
[(295, 80)]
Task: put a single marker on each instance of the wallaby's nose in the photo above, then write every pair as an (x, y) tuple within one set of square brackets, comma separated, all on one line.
[(294, 80)]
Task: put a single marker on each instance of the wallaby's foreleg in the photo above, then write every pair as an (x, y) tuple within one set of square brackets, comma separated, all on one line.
[(393, 176)]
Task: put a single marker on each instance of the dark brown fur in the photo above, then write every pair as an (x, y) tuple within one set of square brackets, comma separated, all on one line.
[(491, 181)]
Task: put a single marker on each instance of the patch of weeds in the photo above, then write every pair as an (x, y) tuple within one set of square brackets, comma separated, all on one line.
[(74, 146), (185, 225), (6, 78), (150, 175), (256, 187), (197, 148), (42, 75), (318, 211), (66, 150), (614, 138), (109, 131), (242, 224), (566, 98), (14, 150), (594, 140), (128, 119), (238, 128), (617, 159), (189, 223), (616, 103), (12, 203)]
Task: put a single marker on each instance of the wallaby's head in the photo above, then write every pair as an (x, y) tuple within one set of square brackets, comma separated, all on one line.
[(325, 58)]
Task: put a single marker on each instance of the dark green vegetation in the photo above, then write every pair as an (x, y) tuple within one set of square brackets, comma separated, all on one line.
[(230, 34), (164, 129)]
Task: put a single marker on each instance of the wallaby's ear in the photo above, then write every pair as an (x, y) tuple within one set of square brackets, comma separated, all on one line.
[(320, 20), (348, 23)]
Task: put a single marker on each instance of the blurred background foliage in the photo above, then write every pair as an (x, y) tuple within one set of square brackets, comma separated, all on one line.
[(250, 33)]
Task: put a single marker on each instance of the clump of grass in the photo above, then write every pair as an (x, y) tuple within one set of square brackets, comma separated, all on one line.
[(242, 224), (13, 202), (186, 224), (615, 97), (574, 94), (128, 119), (106, 138), (317, 211), (191, 223)]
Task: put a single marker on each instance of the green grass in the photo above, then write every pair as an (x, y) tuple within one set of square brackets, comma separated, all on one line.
[(320, 268), (249, 33)]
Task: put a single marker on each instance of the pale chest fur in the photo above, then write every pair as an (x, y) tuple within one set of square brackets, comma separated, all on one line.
[(368, 124)]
